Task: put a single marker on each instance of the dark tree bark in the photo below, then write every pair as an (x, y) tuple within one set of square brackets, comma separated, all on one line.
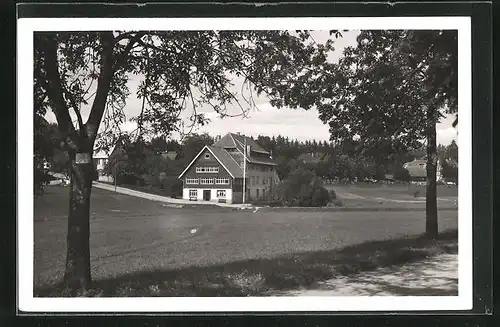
[(431, 214), (77, 274), (79, 142)]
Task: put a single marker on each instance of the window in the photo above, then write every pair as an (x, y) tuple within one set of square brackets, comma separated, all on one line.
[(253, 180), (191, 180), (257, 180), (221, 193), (207, 155), (264, 181), (206, 181), (222, 181), (207, 169), (257, 193), (193, 193)]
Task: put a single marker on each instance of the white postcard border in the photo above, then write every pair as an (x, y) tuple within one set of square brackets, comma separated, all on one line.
[(26, 301)]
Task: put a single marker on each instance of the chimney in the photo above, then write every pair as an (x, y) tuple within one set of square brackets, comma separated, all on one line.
[(238, 133)]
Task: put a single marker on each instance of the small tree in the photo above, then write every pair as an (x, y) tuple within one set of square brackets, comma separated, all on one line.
[(302, 188)]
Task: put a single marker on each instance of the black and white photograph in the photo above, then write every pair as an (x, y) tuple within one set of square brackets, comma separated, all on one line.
[(276, 164)]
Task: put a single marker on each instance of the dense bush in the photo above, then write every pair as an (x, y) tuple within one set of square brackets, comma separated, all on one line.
[(171, 186), (302, 189), (150, 180), (128, 179), (401, 174)]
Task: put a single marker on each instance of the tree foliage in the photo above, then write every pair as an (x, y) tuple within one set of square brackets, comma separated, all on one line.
[(386, 93), (302, 189)]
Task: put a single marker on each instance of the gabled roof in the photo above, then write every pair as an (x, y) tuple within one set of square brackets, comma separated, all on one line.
[(257, 155), (222, 157), (416, 168), (232, 140), (313, 157), (172, 155), (230, 160), (101, 154)]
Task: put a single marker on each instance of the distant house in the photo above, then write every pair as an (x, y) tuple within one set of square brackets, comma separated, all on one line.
[(58, 179), (101, 159), (312, 157), (172, 155), (418, 169), (216, 173)]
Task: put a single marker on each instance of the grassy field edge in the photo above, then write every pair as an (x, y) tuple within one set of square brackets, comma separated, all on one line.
[(259, 277)]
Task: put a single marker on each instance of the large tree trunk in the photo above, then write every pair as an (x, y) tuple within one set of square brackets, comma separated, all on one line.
[(77, 274), (431, 221)]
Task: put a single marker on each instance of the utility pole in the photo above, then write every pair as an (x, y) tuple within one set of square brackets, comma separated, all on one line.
[(244, 169), (116, 167)]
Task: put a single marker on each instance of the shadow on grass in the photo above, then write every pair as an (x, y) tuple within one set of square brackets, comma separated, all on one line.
[(259, 277)]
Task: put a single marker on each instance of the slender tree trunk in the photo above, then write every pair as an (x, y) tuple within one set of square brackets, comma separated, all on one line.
[(431, 222), (77, 275)]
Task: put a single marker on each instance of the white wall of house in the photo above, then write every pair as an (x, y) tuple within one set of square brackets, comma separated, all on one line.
[(213, 194), (100, 163), (105, 178)]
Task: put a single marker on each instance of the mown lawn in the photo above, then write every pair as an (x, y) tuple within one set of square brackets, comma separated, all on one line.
[(140, 242)]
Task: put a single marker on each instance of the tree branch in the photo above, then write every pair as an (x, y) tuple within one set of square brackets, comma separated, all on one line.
[(72, 100), (53, 85), (122, 57), (103, 84)]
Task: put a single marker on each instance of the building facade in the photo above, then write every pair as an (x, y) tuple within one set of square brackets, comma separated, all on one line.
[(217, 172)]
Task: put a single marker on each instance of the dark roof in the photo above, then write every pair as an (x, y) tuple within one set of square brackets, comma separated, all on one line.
[(172, 155), (231, 159), (416, 168), (257, 155), (313, 157), (227, 161)]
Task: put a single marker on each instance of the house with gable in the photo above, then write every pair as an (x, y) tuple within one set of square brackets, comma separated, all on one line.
[(417, 169), (216, 173)]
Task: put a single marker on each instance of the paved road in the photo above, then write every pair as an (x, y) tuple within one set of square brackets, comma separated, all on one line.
[(132, 234)]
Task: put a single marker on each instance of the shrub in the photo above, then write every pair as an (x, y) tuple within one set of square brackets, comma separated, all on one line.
[(303, 189), (320, 197), (128, 179), (172, 186)]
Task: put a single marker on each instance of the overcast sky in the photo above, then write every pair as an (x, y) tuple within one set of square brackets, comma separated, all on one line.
[(265, 119)]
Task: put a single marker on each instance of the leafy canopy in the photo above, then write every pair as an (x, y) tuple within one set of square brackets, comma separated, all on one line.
[(180, 70), (378, 92)]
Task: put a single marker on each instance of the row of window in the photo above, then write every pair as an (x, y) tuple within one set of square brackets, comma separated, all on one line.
[(259, 168), (207, 169), (207, 181), (220, 194), (255, 180)]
